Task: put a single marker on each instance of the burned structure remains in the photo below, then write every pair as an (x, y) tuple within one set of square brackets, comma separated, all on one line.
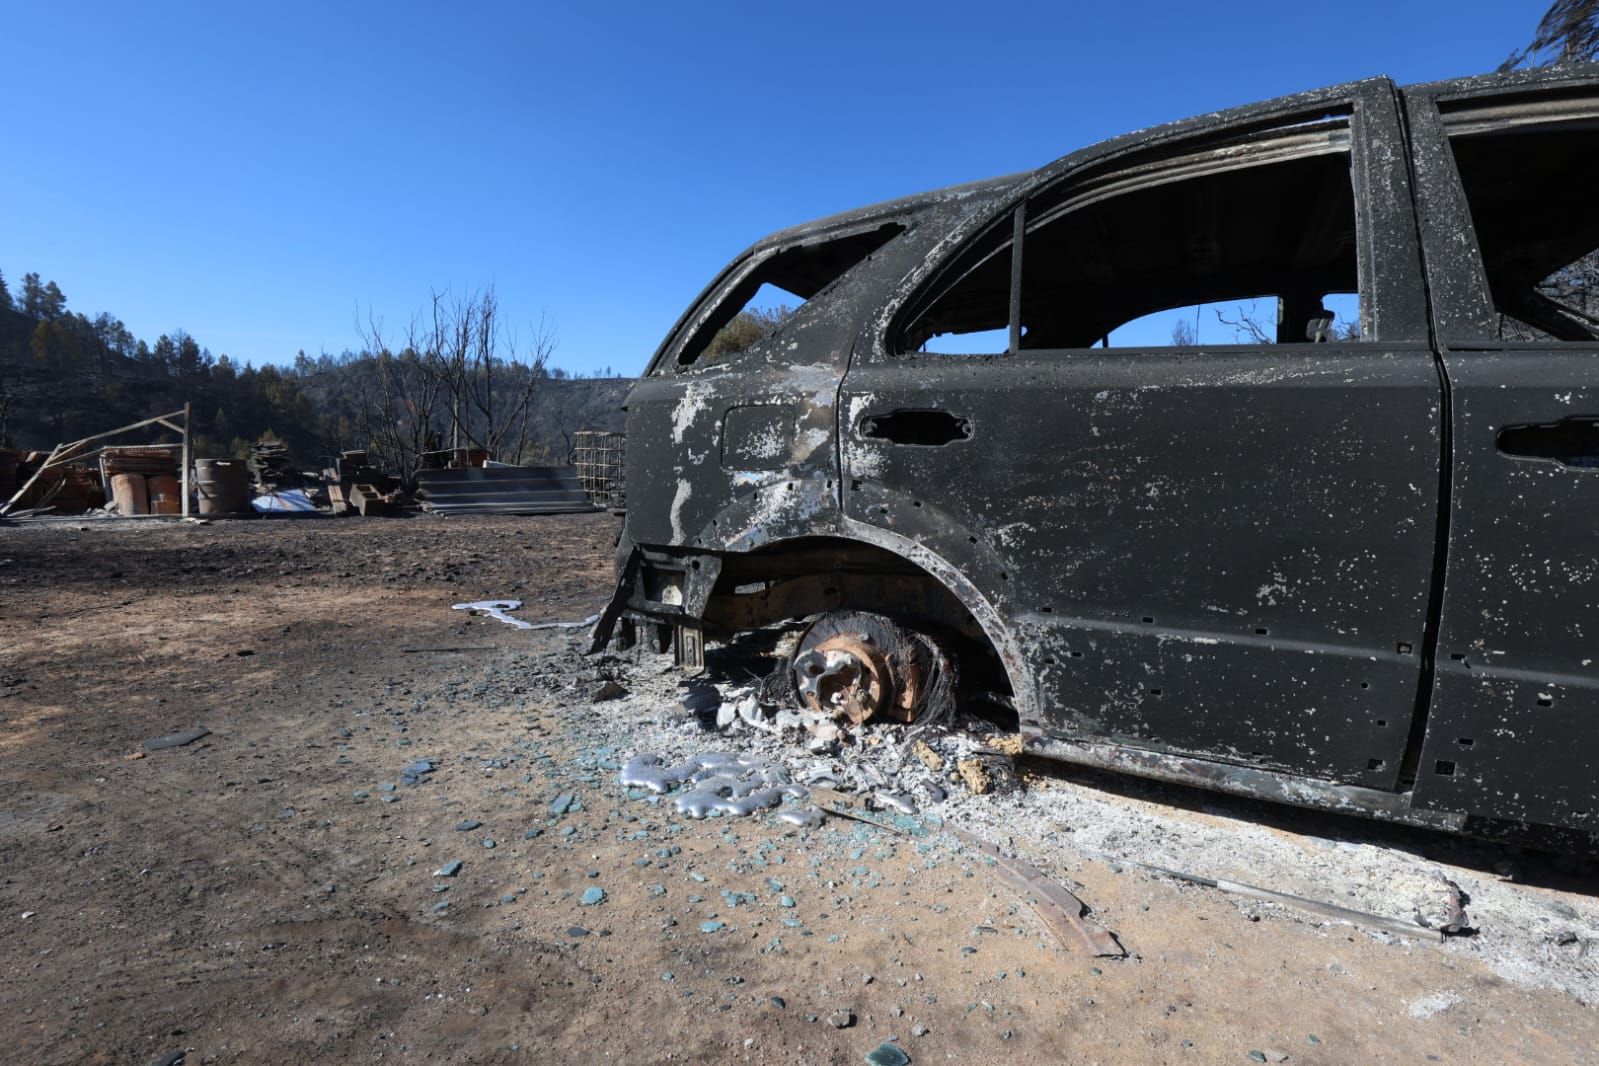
[(1340, 564)]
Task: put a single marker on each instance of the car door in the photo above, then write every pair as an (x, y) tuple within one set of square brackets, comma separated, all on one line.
[(1506, 172), (1218, 545)]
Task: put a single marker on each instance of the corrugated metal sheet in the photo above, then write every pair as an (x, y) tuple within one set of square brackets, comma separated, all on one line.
[(503, 490)]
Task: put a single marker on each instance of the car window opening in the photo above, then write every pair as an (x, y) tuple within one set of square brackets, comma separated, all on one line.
[(1248, 321), (762, 315), (1530, 194), (1259, 254), (779, 284)]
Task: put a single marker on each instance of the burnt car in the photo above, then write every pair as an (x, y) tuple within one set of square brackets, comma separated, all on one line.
[(1326, 534)]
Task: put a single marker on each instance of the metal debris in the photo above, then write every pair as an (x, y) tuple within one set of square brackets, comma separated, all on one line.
[(176, 740), (803, 817), (598, 457), (581, 623), (896, 801), (495, 609), (1326, 910), (1458, 924), (1056, 907)]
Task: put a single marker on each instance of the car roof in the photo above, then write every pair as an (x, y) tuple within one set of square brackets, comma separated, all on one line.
[(886, 211), (1530, 79), (1478, 84)]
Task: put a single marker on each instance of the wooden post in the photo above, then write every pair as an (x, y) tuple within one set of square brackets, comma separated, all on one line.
[(188, 460)]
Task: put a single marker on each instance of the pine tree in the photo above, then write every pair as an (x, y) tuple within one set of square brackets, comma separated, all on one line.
[(32, 295), (188, 356), (55, 302), (165, 354), (5, 296)]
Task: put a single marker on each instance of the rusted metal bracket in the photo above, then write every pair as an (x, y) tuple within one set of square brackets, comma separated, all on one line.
[(698, 581), (688, 647)]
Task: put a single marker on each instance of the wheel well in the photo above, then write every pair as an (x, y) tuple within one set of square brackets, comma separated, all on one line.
[(799, 578)]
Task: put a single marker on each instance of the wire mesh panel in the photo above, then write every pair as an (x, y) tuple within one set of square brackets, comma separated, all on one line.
[(600, 459)]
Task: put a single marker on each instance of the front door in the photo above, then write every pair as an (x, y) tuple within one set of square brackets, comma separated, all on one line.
[(1186, 436)]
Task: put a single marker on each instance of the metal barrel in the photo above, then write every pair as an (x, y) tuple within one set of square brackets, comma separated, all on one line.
[(131, 494), (223, 485), (166, 494)]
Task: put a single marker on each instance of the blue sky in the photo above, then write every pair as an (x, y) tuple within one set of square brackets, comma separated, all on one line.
[(262, 177)]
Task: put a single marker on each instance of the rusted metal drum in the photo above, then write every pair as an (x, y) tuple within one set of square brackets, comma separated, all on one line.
[(166, 494), (130, 493), (223, 485)]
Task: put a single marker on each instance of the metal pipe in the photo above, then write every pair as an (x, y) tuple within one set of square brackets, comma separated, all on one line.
[(187, 461)]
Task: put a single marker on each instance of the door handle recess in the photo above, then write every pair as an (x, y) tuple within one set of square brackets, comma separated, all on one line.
[(1573, 441), (924, 427)]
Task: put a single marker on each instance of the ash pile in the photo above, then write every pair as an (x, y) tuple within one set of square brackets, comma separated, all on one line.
[(850, 706)]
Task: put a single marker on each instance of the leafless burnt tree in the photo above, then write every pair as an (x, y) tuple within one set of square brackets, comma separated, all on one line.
[(488, 380), (1568, 33), (398, 400)]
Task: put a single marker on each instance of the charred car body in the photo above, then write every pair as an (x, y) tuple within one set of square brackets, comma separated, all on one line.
[(1352, 567)]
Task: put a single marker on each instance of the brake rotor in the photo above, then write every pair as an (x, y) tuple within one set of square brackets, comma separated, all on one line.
[(853, 665)]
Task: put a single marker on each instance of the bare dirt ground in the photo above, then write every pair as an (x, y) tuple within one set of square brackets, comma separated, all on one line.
[(270, 892)]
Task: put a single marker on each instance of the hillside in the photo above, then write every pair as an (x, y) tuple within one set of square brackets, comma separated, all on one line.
[(64, 376)]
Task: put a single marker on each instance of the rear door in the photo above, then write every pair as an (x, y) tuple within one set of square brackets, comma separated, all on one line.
[(1186, 436), (1507, 179)]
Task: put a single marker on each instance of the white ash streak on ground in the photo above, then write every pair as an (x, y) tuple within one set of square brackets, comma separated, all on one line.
[(1058, 825)]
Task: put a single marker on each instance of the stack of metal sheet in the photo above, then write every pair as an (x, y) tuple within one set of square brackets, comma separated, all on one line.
[(151, 462), (503, 490), (271, 466)]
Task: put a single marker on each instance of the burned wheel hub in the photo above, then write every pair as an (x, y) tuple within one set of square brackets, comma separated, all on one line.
[(854, 665)]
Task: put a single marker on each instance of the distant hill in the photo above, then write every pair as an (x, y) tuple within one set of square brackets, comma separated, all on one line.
[(568, 405), (64, 376)]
